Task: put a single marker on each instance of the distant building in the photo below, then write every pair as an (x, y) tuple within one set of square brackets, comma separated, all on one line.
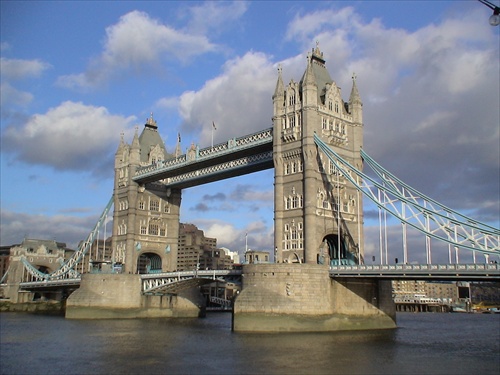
[(195, 251), (444, 290), (408, 287), (44, 255), (254, 256), (235, 257)]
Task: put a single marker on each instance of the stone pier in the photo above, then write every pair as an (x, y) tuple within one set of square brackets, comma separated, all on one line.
[(111, 296), (302, 297)]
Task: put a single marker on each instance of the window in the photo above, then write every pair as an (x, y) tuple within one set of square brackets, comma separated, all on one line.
[(154, 205), (291, 119), (141, 205), (337, 107), (287, 168), (143, 229), (295, 201), (330, 105), (325, 123), (153, 229), (294, 167), (166, 207)]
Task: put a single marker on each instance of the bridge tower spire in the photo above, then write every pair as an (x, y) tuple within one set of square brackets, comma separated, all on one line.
[(318, 215)]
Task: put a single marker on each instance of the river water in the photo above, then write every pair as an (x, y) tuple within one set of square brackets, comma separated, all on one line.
[(423, 343)]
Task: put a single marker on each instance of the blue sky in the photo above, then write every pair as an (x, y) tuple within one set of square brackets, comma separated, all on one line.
[(74, 75)]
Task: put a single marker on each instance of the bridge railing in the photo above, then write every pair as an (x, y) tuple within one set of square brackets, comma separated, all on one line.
[(152, 281), (437, 271), (232, 145)]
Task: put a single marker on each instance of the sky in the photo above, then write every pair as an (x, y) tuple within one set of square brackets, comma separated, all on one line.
[(75, 75)]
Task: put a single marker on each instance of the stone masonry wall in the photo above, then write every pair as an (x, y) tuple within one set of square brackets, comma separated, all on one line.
[(285, 289)]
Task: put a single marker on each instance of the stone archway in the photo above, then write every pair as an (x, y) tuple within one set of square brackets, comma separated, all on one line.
[(338, 254), (149, 263)]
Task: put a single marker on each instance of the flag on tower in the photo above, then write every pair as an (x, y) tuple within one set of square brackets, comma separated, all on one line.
[(213, 125)]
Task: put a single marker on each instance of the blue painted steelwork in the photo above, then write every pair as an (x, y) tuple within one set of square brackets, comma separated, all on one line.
[(415, 209), (469, 272), (68, 269), (245, 152)]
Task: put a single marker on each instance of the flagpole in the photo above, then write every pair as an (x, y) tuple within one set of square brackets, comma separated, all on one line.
[(213, 128)]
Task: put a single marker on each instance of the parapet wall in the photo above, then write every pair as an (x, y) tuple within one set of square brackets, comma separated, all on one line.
[(303, 297)]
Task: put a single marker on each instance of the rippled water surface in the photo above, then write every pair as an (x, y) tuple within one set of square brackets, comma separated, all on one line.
[(424, 343)]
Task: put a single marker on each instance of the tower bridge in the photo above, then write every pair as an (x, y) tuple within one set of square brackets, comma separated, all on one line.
[(319, 280)]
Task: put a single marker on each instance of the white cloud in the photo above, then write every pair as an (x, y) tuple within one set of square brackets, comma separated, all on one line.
[(239, 101), (430, 99), (135, 43), (70, 229), (12, 69), (214, 16), (72, 136), (11, 96)]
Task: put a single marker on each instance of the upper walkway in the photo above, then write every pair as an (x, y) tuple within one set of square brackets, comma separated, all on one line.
[(237, 156)]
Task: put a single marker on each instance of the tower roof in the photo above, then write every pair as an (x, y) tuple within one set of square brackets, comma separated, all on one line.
[(150, 138), (317, 65)]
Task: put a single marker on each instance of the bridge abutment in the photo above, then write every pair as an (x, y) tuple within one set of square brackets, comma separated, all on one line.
[(107, 296), (302, 297)]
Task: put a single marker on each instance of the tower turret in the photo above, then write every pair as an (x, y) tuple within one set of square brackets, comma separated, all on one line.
[(355, 103)]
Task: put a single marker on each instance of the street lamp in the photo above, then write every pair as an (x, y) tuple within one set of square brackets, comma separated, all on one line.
[(495, 17)]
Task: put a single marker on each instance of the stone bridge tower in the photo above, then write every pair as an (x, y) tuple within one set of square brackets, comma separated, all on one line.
[(318, 214), (146, 217)]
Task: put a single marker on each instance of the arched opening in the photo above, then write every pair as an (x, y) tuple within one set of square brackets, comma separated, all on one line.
[(337, 250), (294, 258), (43, 269), (149, 263)]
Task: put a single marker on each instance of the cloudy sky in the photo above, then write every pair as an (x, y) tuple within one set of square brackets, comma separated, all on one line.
[(74, 75)]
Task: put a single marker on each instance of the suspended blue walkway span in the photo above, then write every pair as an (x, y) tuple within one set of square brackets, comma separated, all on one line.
[(236, 157)]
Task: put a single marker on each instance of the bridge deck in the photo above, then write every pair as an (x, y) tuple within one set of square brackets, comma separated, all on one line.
[(465, 272)]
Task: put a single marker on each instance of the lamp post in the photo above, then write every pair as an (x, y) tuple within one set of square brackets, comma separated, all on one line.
[(495, 17)]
